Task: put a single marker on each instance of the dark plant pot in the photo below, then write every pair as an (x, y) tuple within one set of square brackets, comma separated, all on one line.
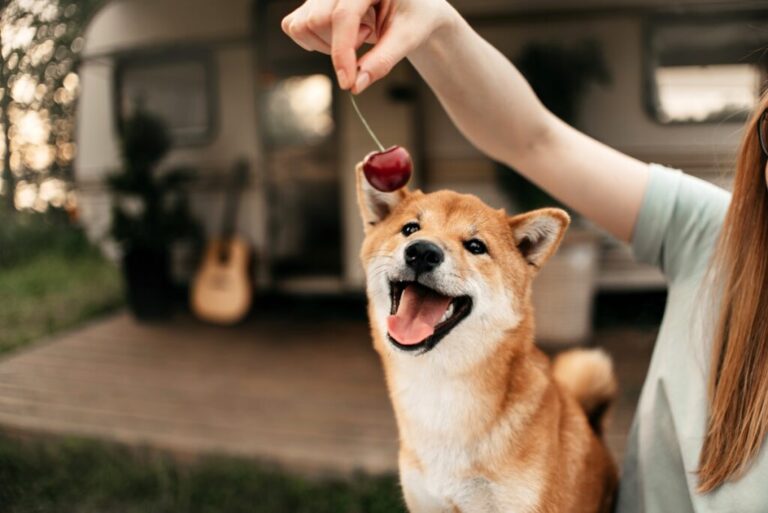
[(148, 284)]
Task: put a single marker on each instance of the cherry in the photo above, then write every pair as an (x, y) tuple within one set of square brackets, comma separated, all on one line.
[(386, 170)]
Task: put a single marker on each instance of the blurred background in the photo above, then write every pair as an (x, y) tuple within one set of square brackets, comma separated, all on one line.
[(182, 319)]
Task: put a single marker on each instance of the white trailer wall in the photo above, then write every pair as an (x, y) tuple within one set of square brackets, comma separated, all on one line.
[(224, 29)]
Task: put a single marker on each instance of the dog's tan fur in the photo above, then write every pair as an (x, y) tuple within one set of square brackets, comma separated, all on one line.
[(485, 425)]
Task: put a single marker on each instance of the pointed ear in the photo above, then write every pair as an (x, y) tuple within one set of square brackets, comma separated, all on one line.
[(375, 205), (538, 233)]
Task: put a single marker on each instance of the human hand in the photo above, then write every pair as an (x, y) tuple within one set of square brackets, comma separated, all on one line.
[(340, 27)]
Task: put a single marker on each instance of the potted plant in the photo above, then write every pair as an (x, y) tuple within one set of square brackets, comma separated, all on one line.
[(564, 291), (150, 213)]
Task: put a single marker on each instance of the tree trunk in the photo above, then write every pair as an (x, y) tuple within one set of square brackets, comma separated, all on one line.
[(9, 181)]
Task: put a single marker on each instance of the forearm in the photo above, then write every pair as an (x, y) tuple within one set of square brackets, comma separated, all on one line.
[(482, 92), (495, 108)]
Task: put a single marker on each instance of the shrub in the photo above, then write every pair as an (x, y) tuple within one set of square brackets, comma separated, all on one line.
[(26, 235)]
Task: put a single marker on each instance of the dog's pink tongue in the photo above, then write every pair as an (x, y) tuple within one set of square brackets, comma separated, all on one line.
[(417, 315)]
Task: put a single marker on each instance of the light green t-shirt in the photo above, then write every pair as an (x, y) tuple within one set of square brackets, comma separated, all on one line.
[(677, 230)]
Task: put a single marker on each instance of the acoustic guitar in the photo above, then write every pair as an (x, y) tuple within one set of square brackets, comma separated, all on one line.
[(222, 290)]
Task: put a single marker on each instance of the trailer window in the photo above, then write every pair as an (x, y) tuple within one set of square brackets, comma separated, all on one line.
[(706, 69), (176, 88)]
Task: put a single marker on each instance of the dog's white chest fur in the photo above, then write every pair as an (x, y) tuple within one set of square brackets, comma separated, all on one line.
[(430, 491), (437, 413), (446, 483)]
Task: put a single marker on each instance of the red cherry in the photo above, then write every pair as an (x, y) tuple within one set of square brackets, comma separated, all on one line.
[(388, 170)]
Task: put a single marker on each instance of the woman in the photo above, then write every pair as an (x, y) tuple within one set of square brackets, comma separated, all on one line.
[(697, 442)]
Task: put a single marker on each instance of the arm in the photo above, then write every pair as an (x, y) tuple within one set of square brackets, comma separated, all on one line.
[(499, 113), (486, 97)]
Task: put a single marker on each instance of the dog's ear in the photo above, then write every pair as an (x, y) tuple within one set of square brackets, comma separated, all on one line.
[(374, 204), (537, 234)]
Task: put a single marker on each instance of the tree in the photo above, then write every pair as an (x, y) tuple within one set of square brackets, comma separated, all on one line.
[(40, 44)]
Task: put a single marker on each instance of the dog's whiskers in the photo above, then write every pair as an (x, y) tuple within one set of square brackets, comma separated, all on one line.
[(382, 254)]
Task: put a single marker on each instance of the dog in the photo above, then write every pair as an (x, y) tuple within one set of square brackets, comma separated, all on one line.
[(486, 424)]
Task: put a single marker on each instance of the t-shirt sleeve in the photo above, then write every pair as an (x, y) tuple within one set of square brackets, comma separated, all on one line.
[(679, 222)]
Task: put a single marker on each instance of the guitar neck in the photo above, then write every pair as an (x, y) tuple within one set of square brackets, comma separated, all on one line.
[(232, 201)]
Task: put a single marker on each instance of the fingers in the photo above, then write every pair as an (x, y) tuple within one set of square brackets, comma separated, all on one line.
[(369, 23), (318, 43), (363, 36), (391, 48), (338, 28), (318, 24), (299, 25), (345, 19)]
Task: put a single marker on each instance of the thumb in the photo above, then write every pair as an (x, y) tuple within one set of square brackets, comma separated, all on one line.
[(391, 48)]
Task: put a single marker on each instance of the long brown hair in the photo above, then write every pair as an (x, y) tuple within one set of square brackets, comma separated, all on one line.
[(738, 381)]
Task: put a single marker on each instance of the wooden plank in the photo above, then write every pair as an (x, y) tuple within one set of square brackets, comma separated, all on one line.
[(308, 396), (271, 390)]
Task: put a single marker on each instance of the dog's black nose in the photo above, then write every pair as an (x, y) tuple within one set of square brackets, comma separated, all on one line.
[(423, 256)]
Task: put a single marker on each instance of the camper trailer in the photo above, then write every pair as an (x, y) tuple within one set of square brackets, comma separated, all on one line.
[(673, 83)]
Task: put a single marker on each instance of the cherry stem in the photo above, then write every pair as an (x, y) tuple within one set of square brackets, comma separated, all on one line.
[(365, 123)]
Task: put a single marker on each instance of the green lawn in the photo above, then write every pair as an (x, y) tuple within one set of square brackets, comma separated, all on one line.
[(53, 291), (81, 476)]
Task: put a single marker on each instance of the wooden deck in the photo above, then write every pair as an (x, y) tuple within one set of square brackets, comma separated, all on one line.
[(308, 396)]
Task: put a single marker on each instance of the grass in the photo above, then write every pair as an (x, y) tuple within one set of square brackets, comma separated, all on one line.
[(54, 291), (83, 476), (51, 278)]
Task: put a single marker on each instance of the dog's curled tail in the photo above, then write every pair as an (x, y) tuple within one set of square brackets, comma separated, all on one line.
[(588, 375)]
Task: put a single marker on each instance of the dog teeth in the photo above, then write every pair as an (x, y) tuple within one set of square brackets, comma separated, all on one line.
[(447, 314)]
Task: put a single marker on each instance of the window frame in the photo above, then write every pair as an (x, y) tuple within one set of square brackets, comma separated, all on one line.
[(158, 57)]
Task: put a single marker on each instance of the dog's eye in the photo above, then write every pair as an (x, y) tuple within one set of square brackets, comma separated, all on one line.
[(410, 228), (476, 247)]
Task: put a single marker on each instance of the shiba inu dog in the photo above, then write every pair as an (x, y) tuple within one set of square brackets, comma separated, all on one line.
[(486, 423)]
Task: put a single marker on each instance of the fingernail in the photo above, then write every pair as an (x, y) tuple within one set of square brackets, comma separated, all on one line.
[(342, 76), (363, 79)]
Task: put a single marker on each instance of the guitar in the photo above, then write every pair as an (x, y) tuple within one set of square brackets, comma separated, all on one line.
[(222, 290)]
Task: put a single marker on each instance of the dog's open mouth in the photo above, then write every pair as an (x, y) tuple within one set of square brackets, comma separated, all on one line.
[(421, 317)]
